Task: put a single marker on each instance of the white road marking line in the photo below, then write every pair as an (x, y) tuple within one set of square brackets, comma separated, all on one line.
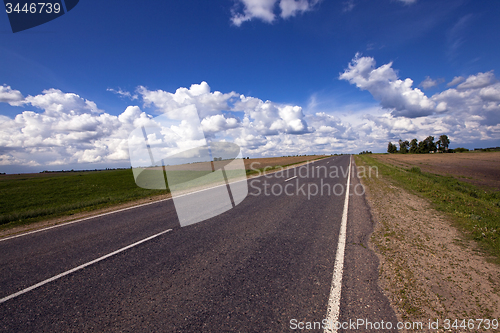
[(84, 219), (332, 314), (291, 178), (123, 209), (79, 267)]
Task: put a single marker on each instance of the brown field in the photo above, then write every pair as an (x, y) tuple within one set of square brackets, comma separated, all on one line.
[(275, 161), (255, 163), (478, 168)]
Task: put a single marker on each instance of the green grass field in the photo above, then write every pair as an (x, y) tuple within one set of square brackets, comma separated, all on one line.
[(27, 198), (475, 211)]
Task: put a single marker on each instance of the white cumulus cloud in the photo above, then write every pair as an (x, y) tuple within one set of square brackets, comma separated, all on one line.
[(123, 93), (430, 83), (383, 83), (293, 7), (55, 102), (456, 80), (246, 10), (59, 128), (69, 129), (491, 93), (8, 95), (218, 123), (478, 81)]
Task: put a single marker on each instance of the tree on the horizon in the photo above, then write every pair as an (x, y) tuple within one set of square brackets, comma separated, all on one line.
[(414, 146), (392, 148), (421, 147), (403, 146), (429, 144), (443, 142)]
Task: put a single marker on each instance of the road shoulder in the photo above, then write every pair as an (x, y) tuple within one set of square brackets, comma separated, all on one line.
[(362, 298)]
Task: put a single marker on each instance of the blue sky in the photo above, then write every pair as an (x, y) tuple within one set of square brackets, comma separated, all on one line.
[(278, 77)]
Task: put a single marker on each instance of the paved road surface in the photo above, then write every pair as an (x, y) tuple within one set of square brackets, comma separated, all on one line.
[(264, 266)]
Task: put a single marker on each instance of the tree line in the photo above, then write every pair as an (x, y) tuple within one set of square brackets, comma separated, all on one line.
[(420, 147)]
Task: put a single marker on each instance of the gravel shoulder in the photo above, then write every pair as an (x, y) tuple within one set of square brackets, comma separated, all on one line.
[(427, 269)]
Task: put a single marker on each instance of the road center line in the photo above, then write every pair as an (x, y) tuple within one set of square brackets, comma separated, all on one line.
[(79, 267), (291, 178), (332, 314)]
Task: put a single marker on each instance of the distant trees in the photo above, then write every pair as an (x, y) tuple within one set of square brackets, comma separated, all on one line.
[(420, 147), (365, 152), (414, 146), (429, 145), (443, 143), (391, 148), (403, 146)]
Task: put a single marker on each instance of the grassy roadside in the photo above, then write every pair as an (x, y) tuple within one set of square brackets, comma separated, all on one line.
[(25, 199), (475, 211)]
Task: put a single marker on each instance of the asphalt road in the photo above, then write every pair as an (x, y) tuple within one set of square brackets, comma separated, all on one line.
[(264, 266)]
